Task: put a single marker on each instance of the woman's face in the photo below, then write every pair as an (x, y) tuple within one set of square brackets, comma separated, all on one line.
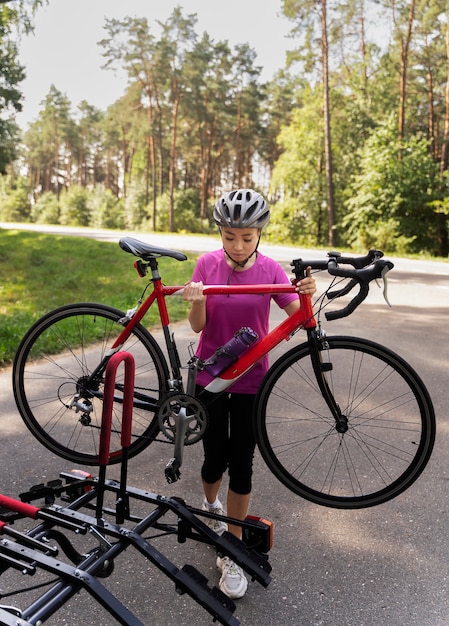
[(240, 243)]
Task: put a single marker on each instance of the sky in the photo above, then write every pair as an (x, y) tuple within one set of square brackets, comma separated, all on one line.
[(63, 50)]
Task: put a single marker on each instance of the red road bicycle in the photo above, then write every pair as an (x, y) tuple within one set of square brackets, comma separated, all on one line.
[(341, 421)]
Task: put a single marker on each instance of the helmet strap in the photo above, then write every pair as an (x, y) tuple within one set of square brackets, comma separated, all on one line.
[(239, 263), (242, 263)]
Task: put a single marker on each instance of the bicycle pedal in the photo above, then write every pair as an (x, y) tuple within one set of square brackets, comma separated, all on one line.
[(172, 473)]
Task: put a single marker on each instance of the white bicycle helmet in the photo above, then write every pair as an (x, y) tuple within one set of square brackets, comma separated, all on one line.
[(241, 208)]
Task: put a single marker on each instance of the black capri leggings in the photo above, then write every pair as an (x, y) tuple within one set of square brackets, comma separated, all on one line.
[(229, 441)]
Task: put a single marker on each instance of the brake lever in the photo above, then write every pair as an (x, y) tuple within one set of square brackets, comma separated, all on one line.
[(384, 273)]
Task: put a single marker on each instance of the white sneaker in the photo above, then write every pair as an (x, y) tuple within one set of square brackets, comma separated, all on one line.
[(217, 525), (233, 581)]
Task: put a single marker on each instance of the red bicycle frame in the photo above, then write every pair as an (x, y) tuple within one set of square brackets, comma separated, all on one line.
[(304, 318)]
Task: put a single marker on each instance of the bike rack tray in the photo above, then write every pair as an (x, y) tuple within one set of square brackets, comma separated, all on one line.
[(33, 551), (74, 508)]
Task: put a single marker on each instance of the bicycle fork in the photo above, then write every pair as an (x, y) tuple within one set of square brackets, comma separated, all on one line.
[(317, 342)]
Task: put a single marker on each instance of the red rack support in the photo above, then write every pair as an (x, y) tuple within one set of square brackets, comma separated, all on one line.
[(106, 425)]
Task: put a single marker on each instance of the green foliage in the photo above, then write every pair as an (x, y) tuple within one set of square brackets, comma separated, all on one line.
[(11, 75), (40, 272), (9, 140), (136, 209), (15, 18), (14, 200), (391, 203), (78, 206), (74, 204), (441, 205), (288, 224), (105, 210), (299, 177), (187, 213), (46, 209), (383, 235), (51, 145)]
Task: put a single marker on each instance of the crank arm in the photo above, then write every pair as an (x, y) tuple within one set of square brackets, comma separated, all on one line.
[(172, 469)]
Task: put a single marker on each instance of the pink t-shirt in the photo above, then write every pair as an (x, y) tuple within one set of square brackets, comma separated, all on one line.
[(225, 314)]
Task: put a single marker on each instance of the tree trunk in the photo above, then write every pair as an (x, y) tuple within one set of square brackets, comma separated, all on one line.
[(152, 153), (237, 174), (327, 127), (124, 162), (405, 45), (442, 231), (445, 146), (206, 165), (431, 113), (172, 168)]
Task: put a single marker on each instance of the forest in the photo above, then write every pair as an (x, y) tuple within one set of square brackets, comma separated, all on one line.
[(349, 141)]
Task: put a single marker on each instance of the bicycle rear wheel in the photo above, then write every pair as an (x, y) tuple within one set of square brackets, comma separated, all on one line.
[(52, 368), (391, 424)]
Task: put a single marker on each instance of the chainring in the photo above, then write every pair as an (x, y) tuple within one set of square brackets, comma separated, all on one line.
[(195, 415)]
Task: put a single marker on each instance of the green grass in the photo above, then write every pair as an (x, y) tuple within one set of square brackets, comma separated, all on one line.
[(40, 272)]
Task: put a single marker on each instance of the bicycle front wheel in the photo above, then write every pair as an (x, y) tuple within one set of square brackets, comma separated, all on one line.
[(390, 428), (60, 402)]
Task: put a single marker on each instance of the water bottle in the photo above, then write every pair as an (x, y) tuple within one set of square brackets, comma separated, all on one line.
[(227, 354)]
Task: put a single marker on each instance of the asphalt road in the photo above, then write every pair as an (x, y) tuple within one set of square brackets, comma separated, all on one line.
[(387, 565)]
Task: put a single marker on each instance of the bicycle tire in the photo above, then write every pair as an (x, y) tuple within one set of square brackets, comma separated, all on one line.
[(54, 358), (391, 424)]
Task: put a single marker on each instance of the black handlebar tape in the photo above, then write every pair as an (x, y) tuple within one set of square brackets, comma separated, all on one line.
[(361, 276)]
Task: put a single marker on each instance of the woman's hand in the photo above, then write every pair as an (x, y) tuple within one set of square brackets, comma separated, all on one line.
[(306, 285), (193, 292)]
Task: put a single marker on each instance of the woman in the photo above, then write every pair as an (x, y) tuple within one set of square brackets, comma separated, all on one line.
[(229, 441)]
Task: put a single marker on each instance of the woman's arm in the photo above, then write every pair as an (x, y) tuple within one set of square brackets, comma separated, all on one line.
[(193, 293)]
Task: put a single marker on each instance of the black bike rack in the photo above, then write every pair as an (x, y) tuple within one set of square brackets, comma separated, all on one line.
[(74, 506)]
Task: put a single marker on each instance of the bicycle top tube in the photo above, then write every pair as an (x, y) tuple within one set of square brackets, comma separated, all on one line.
[(215, 290)]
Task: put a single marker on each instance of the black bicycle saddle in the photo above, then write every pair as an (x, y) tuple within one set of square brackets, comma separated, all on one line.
[(146, 251)]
